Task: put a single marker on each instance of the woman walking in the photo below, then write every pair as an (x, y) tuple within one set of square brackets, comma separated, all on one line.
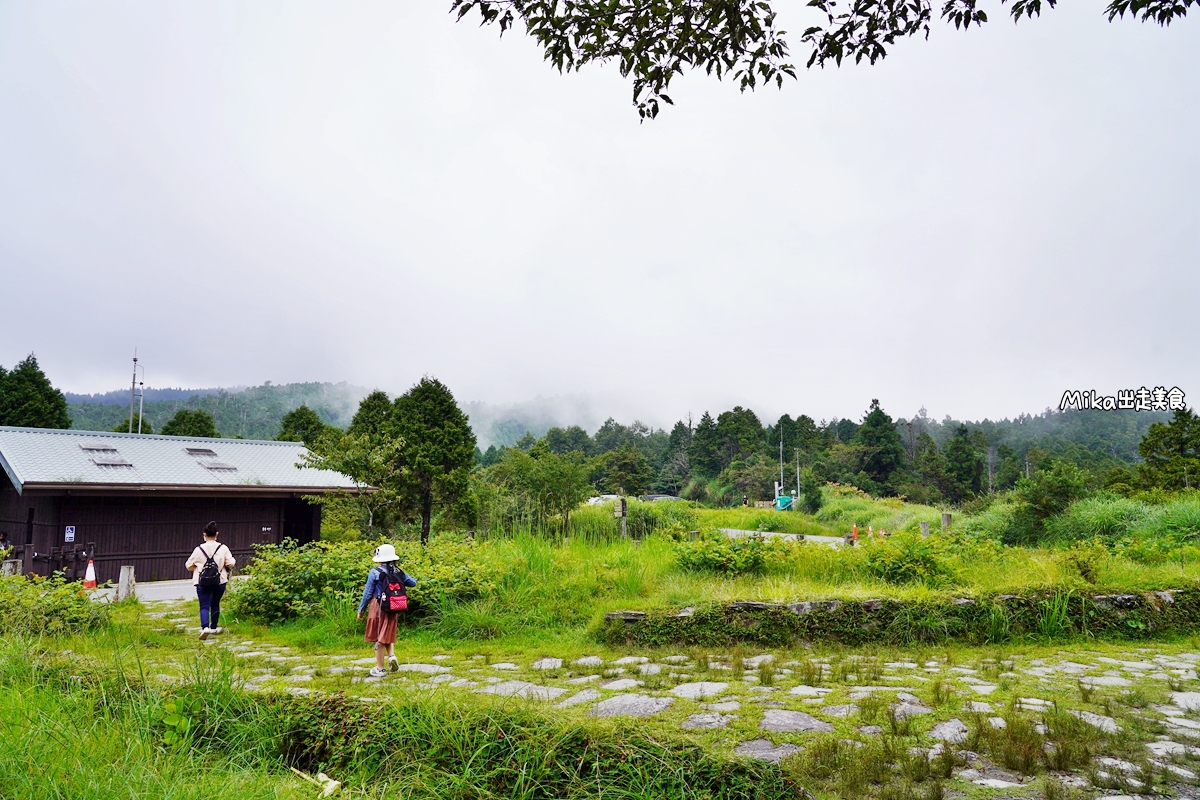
[(210, 563), (382, 593)]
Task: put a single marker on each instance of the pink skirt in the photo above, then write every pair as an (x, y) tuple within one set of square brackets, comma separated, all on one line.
[(381, 625)]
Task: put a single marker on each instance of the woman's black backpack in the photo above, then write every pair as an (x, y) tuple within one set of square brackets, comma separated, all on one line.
[(210, 573)]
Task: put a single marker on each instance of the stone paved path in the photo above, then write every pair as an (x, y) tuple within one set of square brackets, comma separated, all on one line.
[(1143, 701)]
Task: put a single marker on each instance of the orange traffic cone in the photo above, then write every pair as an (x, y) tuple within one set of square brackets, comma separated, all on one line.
[(89, 577), (854, 531)]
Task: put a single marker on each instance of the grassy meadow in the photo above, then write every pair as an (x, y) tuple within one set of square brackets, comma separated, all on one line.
[(124, 701)]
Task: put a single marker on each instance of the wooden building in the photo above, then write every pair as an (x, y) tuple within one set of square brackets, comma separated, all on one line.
[(143, 500)]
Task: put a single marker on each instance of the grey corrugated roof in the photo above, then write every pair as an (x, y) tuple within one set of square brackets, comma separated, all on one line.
[(57, 458)]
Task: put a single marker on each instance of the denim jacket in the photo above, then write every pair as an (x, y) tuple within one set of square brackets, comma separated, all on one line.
[(374, 587)]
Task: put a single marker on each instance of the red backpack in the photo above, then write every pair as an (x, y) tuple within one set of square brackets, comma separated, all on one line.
[(395, 598)]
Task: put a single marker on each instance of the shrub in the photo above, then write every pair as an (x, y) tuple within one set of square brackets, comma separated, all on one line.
[(1103, 517), (287, 581), (36, 606), (909, 558), (716, 552)]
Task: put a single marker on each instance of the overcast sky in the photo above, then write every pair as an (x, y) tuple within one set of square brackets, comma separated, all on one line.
[(367, 191)]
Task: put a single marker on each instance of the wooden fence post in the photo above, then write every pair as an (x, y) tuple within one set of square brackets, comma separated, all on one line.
[(924, 529), (127, 585), (945, 522)]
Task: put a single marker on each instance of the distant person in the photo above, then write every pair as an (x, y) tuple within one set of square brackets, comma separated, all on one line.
[(745, 500), (385, 596), (210, 563), (5, 544)]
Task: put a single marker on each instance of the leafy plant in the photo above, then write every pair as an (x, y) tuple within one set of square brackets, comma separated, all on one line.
[(35, 606), (909, 558), (287, 581)]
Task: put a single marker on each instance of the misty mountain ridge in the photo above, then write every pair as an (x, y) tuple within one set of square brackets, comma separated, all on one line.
[(256, 413)]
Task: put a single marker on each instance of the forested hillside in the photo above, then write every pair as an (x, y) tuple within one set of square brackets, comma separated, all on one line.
[(253, 413)]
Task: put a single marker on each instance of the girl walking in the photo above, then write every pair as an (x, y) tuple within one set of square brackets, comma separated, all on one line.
[(210, 563), (382, 583)]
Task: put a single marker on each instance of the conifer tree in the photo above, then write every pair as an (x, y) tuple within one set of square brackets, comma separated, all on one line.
[(438, 451), (28, 400), (883, 450)]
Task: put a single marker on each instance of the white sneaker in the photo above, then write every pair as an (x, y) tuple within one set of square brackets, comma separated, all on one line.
[(376, 672), (216, 631), (393, 664), (204, 632)]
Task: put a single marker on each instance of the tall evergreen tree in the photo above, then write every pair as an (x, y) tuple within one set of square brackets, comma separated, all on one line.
[(741, 434), (187, 422), (301, 425), (124, 427), (438, 448), (883, 450), (372, 416), (572, 440), (28, 400), (705, 450), (964, 466), (1172, 453)]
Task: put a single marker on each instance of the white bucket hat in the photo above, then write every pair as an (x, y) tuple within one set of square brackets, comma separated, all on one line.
[(384, 553)]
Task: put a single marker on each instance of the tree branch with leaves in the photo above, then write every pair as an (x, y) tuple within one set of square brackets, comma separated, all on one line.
[(653, 41)]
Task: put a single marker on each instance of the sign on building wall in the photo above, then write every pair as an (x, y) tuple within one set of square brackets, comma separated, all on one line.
[(70, 536)]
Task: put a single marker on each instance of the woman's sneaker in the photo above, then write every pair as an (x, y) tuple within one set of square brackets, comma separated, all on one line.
[(393, 664), (216, 631), (376, 672), (205, 632)]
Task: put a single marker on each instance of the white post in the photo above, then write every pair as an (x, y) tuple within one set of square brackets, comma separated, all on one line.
[(924, 529), (127, 585)]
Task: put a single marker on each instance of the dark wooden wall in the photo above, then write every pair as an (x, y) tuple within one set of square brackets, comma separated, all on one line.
[(155, 534)]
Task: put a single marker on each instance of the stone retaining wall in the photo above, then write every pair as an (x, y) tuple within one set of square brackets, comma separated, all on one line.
[(990, 618)]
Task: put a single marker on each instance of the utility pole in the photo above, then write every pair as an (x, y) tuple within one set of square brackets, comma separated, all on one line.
[(797, 449), (781, 458), (133, 392), (132, 389)]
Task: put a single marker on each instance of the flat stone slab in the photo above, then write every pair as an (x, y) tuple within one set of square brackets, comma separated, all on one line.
[(522, 689), (870, 730), (649, 669), (505, 665), (709, 721), (980, 707), (676, 659), (631, 660), (840, 712), (755, 661), (1188, 701), (631, 705), (1106, 724), (728, 705), (584, 679), (783, 721), (982, 688), (586, 696), (809, 691), (621, 685), (764, 750), (906, 710), (427, 669), (1105, 680), (952, 731), (694, 691), (547, 663), (588, 661)]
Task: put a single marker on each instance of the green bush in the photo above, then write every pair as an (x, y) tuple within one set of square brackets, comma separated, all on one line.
[(721, 554), (287, 581), (1107, 518), (909, 558), (36, 606)]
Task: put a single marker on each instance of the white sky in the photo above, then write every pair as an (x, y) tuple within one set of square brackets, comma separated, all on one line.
[(367, 191)]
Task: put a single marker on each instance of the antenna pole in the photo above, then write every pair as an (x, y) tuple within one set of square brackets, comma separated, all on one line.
[(132, 389)]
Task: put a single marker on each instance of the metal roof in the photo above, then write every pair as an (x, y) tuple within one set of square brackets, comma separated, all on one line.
[(87, 460)]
